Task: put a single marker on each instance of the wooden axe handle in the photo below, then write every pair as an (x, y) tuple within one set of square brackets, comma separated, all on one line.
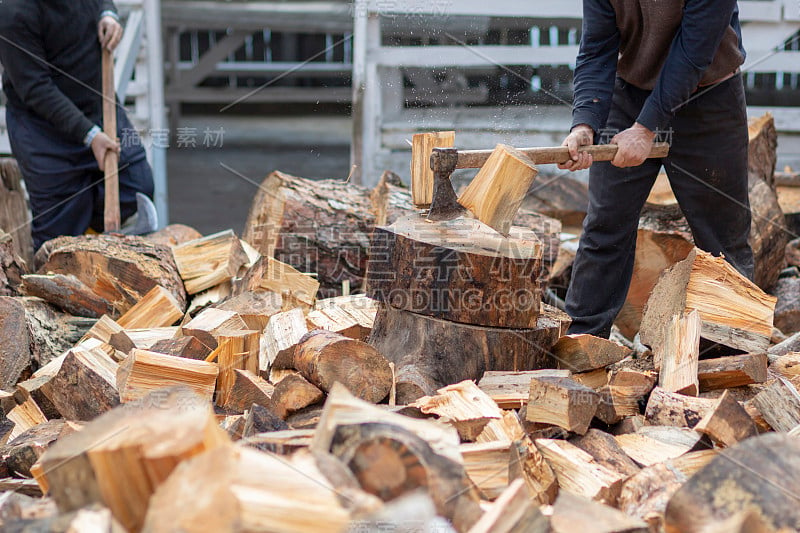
[(111, 214), (554, 155)]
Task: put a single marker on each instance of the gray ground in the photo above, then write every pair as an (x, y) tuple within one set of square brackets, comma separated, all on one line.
[(210, 197)]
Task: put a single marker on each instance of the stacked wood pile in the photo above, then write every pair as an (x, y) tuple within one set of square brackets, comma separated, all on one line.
[(180, 382)]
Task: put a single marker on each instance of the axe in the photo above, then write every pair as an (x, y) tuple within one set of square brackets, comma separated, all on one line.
[(444, 203)]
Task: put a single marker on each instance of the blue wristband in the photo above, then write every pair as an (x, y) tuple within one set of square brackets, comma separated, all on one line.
[(90, 135), (109, 13)]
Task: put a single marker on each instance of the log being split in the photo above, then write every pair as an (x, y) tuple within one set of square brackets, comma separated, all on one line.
[(461, 270), (430, 353), (422, 145)]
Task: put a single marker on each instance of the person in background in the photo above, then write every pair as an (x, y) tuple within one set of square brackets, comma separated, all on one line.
[(649, 67), (50, 51)]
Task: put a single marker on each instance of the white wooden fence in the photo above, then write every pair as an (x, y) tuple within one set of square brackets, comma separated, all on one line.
[(383, 122)]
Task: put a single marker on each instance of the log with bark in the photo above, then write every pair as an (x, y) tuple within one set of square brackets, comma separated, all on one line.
[(430, 353), (563, 198), (12, 266), (787, 309), (14, 214), (461, 271), (324, 226), (118, 270), (762, 471), (325, 358), (391, 455)]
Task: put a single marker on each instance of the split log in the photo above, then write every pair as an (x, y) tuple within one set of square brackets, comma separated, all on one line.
[(209, 261), (686, 438), (678, 357), (573, 513), (430, 353), (351, 316), (578, 472), (242, 478), (464, 406), (320, 226), (14, 214), (135, 445), (293, 393), (24, 416), (121, 270), (261, 419), (69, 293), (508, 428), (582, 353), (106, 329), (648, 451), (12, 266), (236, 350), (565, 199), (324, 358), (732, 371), (248, 389), (16, 506), (513, 511), (727, 423), (627, 388), (767, 485), (666, 408), (787, 310), (143, 372), (629, 424), (6, 427), (422, 145), (158, 308), (606, 451), (209, 298), (594, 379), (392, 454), (210, 324), (268, 274), (255, 308), (460, 270), (84, 387), (562, 402), (527, 463), (174, 235), (278, 342), (779, 403), (24, 450), (734, 312), (787, 366), (15, 350), (511, 390), (282, 442), (144, 339), (789, 201), (646, 494), (496, 193), (487, 466), (188, 347), (762, 147)]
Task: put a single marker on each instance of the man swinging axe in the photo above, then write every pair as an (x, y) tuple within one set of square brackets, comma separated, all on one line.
[(50, 51), (647, 67)]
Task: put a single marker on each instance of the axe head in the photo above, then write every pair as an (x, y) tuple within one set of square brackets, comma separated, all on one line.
[(444, 203), (146, 217)]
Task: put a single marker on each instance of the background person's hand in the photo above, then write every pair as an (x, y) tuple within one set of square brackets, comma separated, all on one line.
[(109, 32), (101, 144), (581, 135), (634, 144)]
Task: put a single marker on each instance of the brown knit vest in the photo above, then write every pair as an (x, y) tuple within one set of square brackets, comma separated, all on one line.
[(647, 28)]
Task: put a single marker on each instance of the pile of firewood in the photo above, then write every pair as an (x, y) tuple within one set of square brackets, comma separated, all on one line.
[(180, 382)]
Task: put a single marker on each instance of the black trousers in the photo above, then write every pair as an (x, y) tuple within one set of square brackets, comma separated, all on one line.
[(707, 169), (64, 185)]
